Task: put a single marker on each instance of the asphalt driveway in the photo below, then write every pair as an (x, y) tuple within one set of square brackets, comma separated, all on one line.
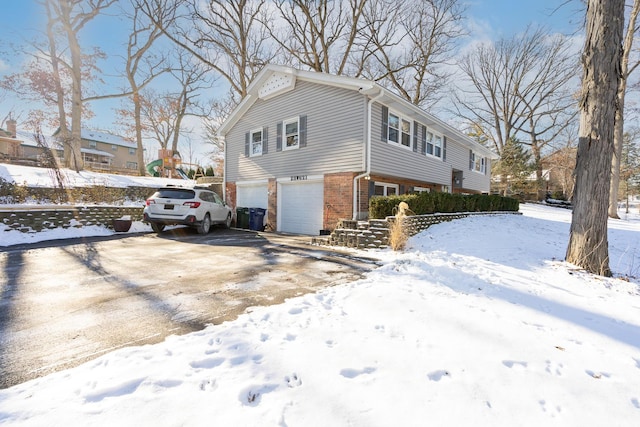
[(63, 303)]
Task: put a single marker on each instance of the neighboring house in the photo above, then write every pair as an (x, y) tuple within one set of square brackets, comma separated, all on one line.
[(313, 148), (9, 142), (107, 152), (560, 165)]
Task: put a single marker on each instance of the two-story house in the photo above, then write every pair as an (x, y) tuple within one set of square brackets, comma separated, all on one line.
[(313, 148), (9, 141), (104, 151)]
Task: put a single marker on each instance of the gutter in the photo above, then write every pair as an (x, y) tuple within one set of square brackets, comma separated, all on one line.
[(367, 171)]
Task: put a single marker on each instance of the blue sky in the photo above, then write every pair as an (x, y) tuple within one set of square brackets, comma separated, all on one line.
[(487, 19)]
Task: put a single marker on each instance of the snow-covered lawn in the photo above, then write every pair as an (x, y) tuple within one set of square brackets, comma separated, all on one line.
[(479, 322)]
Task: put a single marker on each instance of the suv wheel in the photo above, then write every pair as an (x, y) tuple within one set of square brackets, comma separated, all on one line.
[(227, 222), (157, 227), (205, 225)]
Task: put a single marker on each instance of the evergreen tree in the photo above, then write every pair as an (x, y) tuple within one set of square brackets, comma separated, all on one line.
[(514, 168)]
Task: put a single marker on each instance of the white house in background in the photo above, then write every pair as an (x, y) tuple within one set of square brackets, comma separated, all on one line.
[(313, 148)]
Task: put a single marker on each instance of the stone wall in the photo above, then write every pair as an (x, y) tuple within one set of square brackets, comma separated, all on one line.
[(41, 218), (374, 233)]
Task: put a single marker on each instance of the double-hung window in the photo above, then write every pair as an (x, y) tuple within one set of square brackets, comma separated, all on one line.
[(429, 143), (256, 142), (399, 130), (437, 145), (291, 134), (434, 144), (477, 163), (385, 189)]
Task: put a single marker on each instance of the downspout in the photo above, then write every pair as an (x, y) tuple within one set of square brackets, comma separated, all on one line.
[(224, 172), (356, 193)]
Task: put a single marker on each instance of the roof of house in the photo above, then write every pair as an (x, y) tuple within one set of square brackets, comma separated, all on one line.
[(274, 80), (29, 139), (104, 137)]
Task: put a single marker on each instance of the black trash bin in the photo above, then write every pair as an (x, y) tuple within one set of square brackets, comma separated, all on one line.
[(256, 219), (242, 217)]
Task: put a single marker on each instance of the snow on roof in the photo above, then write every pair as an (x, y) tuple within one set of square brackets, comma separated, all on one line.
[(105, 137), (28, 138)]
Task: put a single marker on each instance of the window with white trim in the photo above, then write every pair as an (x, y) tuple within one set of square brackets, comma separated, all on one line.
[(93, 144), (132, 151), (114, 147), (437, 145), (256, 142), (291, 134), (477, 163), (385, 189), (399, 130), (434, 144)]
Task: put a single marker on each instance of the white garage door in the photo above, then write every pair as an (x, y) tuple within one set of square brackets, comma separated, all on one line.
[(300, 207), (252, 196)]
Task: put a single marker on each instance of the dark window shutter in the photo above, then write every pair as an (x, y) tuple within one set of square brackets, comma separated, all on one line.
[(303, 131), (265, 140), (279, 137), (470, 160), (444, 148), (423, 149), (486, 165), (415, 137), (401, 189), (385, 124), (247, 143), (372, 188)]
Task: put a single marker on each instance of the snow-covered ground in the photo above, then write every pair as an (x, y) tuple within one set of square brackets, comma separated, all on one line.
[(479, 322), (43, 177)]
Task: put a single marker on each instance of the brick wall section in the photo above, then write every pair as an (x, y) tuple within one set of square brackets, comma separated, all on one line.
[(43, 218), (272, 209), (374, 233), (231, 194), (338, 198)]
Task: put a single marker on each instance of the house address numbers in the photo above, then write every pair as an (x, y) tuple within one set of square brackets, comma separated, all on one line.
[(299, 178)]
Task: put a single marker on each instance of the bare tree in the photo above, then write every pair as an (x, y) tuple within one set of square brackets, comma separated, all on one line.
[(410, 43), (318, 35), (588, 242), (227, 36), (519, 85), (163, 113), (626, 70), (71, 16), (142, 66)]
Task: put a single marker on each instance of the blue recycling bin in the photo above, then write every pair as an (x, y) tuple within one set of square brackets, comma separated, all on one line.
[(256, 219)]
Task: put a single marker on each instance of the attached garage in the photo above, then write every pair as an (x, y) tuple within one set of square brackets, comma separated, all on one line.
[(301, 206), (252, 195)]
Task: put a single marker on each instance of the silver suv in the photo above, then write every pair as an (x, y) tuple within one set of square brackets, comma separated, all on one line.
[(195, 207)]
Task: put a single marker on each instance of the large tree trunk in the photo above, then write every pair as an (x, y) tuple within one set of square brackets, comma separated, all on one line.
[(619, 130), (588, 243), (618, 140)]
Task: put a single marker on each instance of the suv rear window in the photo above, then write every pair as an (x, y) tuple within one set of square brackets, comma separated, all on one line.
[(174, 193)]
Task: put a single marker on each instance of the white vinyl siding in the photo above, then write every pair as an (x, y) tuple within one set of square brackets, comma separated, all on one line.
[(392, 160), (335, 134), (458, 156)]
